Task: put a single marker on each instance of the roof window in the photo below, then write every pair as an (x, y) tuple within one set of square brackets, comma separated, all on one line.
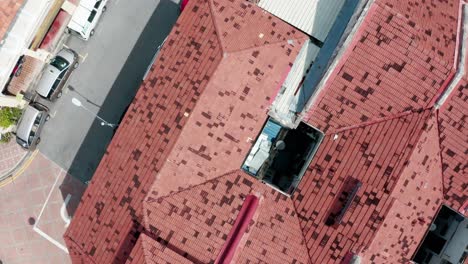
[(280, 156), (341, 206)]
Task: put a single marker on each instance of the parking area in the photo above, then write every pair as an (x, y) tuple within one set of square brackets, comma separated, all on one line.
[(32, 224), (112, 64)]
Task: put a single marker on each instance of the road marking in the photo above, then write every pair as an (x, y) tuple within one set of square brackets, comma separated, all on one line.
[(83, 58), (40, 232), (63, 211), (65, 45), (48, 196), (50, 239), (20, 170)]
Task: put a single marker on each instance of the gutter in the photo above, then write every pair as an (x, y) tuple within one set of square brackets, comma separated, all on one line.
[(460, 58)]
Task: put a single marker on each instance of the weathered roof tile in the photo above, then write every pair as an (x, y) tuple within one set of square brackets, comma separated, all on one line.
[(170, 187), (454, 146), (392, 66), (166, 131)]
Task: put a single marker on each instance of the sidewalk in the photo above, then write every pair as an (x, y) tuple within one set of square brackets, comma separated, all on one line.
[(11, 157), (34, 210)]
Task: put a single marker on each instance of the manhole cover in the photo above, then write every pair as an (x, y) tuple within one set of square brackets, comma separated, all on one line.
[(31, 221)]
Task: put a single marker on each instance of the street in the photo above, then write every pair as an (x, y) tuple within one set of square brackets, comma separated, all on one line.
[(112, 64), (73, 141)]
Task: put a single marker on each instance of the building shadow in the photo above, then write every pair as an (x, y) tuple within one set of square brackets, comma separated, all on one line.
[(122, 94), (329, 49)]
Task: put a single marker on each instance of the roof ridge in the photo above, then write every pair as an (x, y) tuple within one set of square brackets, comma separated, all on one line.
[(151, 200), (380, 120), (267, 45), (221, 41), (404, 158), (144, 243), (440, 151), (215, 25), (420, 131)]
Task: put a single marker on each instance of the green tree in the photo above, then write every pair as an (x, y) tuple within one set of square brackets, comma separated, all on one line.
[(9, 116)]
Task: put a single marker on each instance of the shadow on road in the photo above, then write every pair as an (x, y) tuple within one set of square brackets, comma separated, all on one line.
[(123, 91)]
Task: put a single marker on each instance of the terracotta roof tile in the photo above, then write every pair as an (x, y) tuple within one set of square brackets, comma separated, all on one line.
[(226, 119), (434, 24), (138, 254), (418, 195), (394, 64), (149, 251), (201, 218), (373, 154), (454, 146), (145, 137), (250, 27), (158, 193), (8, 10), (194, 113)]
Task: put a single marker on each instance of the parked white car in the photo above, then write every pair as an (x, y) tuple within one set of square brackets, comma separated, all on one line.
[(86, 16), (56, 74), (30, 125)]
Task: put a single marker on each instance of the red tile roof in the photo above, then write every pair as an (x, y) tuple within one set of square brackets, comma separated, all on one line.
[(170, 188), (375, 154), (249, 27), (417, 196), (454, 146), (200, 99), (8, 10), (399, 60), (138, 254), (148, 250), (201, 218)]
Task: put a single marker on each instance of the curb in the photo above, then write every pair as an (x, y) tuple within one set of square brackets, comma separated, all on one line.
[(12, 174)]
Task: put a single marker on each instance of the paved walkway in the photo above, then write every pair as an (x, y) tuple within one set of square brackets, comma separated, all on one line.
[(32, 215), (10, 155)]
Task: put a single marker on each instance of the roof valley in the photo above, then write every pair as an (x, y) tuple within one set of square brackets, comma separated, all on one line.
[(216, 26)]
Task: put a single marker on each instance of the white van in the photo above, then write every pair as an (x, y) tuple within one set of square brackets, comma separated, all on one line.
[(86, 16)]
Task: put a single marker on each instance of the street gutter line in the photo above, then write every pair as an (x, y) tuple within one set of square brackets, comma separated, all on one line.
[(26, 164)]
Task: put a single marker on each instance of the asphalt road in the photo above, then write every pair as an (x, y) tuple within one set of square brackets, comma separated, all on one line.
[(112, 64)]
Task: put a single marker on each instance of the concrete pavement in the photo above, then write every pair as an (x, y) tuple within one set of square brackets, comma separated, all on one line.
[(113, 63), (11, 155), (31, 215)]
